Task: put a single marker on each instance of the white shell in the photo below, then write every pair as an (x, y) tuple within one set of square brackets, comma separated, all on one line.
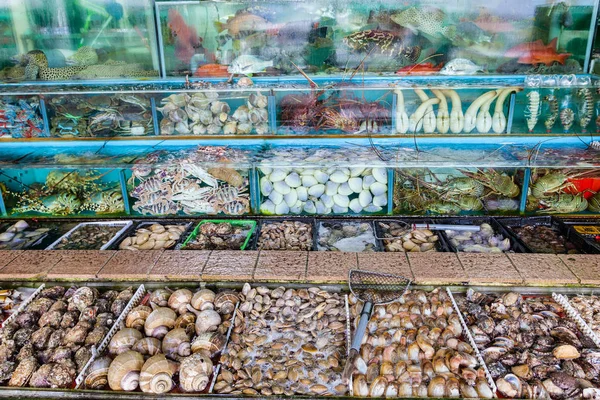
[(267, 207), (372, 208), (309, 207), (321, 176), (345, 189), (339, 210), (281, 187), (331, 188), (380, 200), (378, 188), (355, 206), (302, 193), (368, 181), (355, 184), (6, 236), (308, 181), (266, 187), (316, 190), (307, 171), (297, 208), (327, 200), (380, 174), (356, 171), (282, 208), (291, 198), (277, 175), (265, 170), (276, 197), (320, 207), (365, 198), (367, 171), (341, 200), (293, 180), (339, 177)]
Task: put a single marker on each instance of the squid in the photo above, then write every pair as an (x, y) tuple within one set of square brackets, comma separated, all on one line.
[(429, 121), (443, 118), (457, 119), (484, 118), (471, 114), (499, 119), (401, 115)]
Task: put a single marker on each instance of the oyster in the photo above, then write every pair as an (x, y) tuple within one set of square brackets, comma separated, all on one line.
[(27, 319), (95, 336), (77, 334), (51, 319), (23, 372), (40, 338), (83, 298), (82, 356), (53, 375)]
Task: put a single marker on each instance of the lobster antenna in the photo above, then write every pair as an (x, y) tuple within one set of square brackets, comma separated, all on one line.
[(362, 63), (310, 81)]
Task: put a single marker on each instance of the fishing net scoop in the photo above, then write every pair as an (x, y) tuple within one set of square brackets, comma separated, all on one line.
[(372, 288)]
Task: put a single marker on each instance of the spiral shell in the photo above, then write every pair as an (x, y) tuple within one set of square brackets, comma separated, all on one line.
[(176, 343), (203, 300), (159, 322), (207, 321), (179, 300), (194, 372), (97, 377), (147, 346), (124, 371), (186, 321), (156, 375), (160, 297), (124, 340), (137, 317), (210, 342), (225, 301)]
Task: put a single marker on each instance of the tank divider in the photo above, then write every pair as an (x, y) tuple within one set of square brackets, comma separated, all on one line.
[(124, 193), (2, 206), (511, 112), (467, 333), (348, 339), (155, 124), (23, 305), (272, 111), (45, 118), (524, 190)]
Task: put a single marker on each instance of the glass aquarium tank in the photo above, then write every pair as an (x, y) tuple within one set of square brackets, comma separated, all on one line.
[(215, 39), (66, 40)]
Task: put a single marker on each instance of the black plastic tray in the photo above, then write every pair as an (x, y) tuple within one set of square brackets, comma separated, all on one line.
[(311, 221), (515, 245), (589, 238), (440, 246), (141, 223), (561, 228), (344, 220)]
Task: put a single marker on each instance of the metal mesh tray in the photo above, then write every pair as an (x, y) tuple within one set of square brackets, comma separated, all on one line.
[(310, 221), (558, 226), (124, 224)]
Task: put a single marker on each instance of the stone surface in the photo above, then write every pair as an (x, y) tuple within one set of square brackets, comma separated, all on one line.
[(278, 265), (330, 266), (388, 263), (489, 269), (180, 265), (585, 266), (130, 265), (436, 268), (79, 264), (6, 256), (542, 269), (230, 265), (32, 264)]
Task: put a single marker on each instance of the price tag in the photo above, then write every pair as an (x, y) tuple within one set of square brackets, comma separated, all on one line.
[(587, 229)]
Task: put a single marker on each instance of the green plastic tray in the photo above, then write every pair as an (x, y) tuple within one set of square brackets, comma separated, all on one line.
[(194, 233)]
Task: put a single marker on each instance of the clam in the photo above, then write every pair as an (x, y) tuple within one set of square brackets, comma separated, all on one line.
[(124, 371), (566, 352), (509, 386), (123, 341), (176, 343), (97, 376), (156, 375), (180, 299), (203, 300), (159, 322), (147, 346), (137, 317), (194, 372)]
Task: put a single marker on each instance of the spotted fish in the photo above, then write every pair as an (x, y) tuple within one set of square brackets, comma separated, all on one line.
[(428, 21), (384, 41)]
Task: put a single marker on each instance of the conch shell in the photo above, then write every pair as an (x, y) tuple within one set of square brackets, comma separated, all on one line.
[(194, 372), (124, 371), (156, 375), (159, 322)]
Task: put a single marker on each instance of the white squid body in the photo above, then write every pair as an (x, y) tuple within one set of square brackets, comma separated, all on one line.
[(457, 119), (499, 119), (429, 121), (443, 118), (532, 112), (417, 120), (401, 115), (484, 118), (471, 114)]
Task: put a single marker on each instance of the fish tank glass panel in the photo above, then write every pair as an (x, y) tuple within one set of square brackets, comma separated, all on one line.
[(323, 181), (214, 39), (558, 110), (213, 113), (67, 40), (564, 191), (198, 181), (62, 192), (21, 117), (456, 191), (100, 115)]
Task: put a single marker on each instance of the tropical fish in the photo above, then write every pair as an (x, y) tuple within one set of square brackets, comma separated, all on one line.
[(186, 37), (460, 66), (427, 20), (420, 69), (211, 70), (247, 64), (537, 53), (467, 32), (242, 23), (386, 41)]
